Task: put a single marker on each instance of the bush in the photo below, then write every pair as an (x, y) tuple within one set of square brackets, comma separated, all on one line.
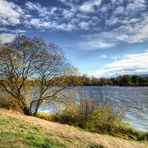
[(103, 120), (45, 116), (8, 102), (94, 116), (69, 115), (91, 115), (143, 136), (129, 133)]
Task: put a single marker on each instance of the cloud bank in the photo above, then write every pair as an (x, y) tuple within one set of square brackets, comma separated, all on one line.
[(128, 64)]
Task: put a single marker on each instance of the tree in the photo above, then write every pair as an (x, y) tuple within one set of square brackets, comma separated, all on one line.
[(30, 64)]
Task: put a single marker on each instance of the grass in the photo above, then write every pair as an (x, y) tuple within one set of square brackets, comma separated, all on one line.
[(20, 131)]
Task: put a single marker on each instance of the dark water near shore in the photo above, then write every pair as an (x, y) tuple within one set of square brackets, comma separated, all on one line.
[(133, 100)]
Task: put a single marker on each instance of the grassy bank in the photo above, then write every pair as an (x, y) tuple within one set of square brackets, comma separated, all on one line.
[(124, 131), (17, 130)]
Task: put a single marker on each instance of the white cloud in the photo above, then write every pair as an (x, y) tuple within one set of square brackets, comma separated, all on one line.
[(82, 16), (119, 10), (10, 13), (6, 37), (128, 64), (39, 23), (64, 18), (68, 14), (68, 2), (104, 56), (55, 18), (90, 44), (67, 19), (88, 6), (112, 21), (135, 5), (77, 15), (130, 33), (84, 25), (117, 2), (4, 29), (96, 41), (124, 13), (133, 34), (115, 57), (42, 11)]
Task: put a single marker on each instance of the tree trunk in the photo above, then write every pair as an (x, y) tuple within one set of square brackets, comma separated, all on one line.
[(26, 110), (37, 107)]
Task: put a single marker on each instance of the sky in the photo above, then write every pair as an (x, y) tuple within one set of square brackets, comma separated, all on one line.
[(103, 38)]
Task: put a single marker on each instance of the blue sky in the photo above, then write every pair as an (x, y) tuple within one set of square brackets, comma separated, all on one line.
[(100, 37)]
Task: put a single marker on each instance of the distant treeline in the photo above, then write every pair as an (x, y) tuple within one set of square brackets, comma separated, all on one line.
[(124, 80), (84, 80)]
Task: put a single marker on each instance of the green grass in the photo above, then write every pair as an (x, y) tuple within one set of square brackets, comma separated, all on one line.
[(19, 131), (14, 131)]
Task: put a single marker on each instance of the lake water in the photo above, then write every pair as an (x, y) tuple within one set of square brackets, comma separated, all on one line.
[(132, 100)]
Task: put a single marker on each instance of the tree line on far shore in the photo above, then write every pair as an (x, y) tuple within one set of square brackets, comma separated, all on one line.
[(122, 80)]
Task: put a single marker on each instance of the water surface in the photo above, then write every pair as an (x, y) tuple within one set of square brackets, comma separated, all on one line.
[(133, 100)]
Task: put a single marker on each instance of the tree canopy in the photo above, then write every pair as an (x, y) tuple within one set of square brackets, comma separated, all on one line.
[(31, 64)]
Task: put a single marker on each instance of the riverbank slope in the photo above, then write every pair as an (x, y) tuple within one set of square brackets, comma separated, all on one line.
[(20, 131)]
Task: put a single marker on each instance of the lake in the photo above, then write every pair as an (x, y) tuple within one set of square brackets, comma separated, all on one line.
[(132, 100)]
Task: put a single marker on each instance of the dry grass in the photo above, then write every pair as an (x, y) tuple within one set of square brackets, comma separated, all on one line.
[(15, 128)]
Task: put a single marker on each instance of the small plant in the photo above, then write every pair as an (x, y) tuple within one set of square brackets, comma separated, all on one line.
[(45, 116)]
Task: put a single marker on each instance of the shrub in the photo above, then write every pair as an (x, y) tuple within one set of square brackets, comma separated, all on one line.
[(91, 115), (69, 115), (127, 132), (45, 116), (98, 117), (143, 136), (103, 120), (86, 107), (8, 102)]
